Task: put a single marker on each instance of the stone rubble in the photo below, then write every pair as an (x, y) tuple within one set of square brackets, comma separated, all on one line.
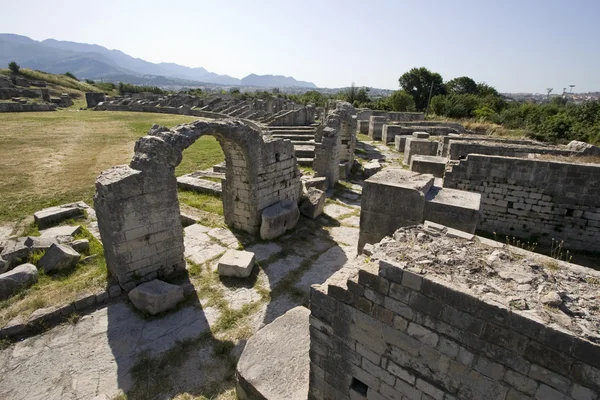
[(156, 296)]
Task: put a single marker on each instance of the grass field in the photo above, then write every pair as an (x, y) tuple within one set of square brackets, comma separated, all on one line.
[(54, 157)]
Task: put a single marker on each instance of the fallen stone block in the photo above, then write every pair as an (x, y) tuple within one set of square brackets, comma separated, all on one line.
[(53, 215), (279, 218), (37, 243), (371, 168), (20, 277), (312, 203), (421, 135), (190, 182), (318, 183), (156, 296), (236, 263), (58, 257), (15, 252), (65, 230), (81, 245), (277, 353)]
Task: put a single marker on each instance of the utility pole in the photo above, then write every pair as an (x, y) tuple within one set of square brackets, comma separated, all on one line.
[(549, 90), (429, 99)]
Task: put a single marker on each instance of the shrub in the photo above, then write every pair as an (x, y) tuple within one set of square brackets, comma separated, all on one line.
[(70, 75), (14, 67)]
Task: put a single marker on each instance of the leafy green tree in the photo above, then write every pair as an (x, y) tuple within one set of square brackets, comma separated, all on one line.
[(418, 81), (401, 101), (462, 85), (14, 67), (483, 89), (70, 75)]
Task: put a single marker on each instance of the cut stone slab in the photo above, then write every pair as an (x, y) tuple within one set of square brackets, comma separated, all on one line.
[(58, 257), (313, 203), (264, 251), (433, 165), (421, 135), (37, 243), (318, 183), (279, 218), (53, 215), (190, 182), (371, 168), (15, 252), (236, 263), (156, 296), (65, 230), (275, 362), (224, 236), (20, 277)]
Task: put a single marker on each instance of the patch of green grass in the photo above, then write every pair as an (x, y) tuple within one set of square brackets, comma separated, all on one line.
[(363, 138), (201, 201), (203, 154)]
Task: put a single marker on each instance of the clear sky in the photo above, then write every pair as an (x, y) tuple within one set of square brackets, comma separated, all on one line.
[(516, 46)]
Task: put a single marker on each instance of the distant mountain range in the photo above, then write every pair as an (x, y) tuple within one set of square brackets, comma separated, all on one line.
[(90, 61)]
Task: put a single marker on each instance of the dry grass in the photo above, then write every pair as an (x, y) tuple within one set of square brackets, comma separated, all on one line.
[(54, 157)]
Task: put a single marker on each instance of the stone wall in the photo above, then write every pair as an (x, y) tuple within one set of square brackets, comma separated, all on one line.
[(460, 149), (445, 141), (18, 107), (298, 117), (93, 98), (137, 206), (534, 199), (397, 329), (160, 110)]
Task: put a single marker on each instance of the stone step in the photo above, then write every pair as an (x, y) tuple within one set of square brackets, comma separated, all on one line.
[(297, 137), (304, 151), (302, 142), (291, 128), (189, 182), (305, 162), (219, 168)]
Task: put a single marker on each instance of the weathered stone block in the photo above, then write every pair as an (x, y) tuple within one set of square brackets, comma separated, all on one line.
[(313, 202), (433, 165), (53, 215), (279, 218), (20, 277), (58, 257), (156, 296), (236, 263)]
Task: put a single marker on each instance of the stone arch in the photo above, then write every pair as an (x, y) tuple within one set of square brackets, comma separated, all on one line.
[(137, 206)]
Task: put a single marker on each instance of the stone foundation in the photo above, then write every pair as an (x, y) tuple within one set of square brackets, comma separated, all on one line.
[(420, 147), (433, 165)]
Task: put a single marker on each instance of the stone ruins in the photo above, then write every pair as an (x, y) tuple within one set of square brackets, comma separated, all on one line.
[(408, 295), (28, 95)]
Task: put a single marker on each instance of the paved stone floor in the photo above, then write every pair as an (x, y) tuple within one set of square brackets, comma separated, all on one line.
[(96, 354)]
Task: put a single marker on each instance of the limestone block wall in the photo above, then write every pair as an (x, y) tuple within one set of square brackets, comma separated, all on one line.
[(460, 149), (534, 199), (445, 141), (327, 155), (137, 206), (362, 126), (18, 107), (389, 132), (376, 127), (301, 116), (93, 98), (392, 333)]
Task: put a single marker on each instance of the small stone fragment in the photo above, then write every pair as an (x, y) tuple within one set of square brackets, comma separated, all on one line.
[(156, 296), (552, 299), (236, 263), (81, 245)]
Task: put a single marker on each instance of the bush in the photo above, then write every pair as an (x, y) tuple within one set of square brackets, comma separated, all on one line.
[(90, 82), (70, 75), (14, 67), (401, 101), (125, 88)]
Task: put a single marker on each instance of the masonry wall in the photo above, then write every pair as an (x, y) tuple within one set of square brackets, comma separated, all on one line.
[(534, 199), (460, 149), (390, 333), (479, 138)]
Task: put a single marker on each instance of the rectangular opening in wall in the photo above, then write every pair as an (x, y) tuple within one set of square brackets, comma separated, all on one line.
[(359, 387)]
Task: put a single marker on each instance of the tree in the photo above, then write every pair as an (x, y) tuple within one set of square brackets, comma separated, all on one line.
[(462, 85), (483, 89), (401, 101), (14, 67), (350, 93), (417, 82), (70, 75)]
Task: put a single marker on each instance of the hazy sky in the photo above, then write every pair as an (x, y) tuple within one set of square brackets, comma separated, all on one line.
[(516, 46)]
